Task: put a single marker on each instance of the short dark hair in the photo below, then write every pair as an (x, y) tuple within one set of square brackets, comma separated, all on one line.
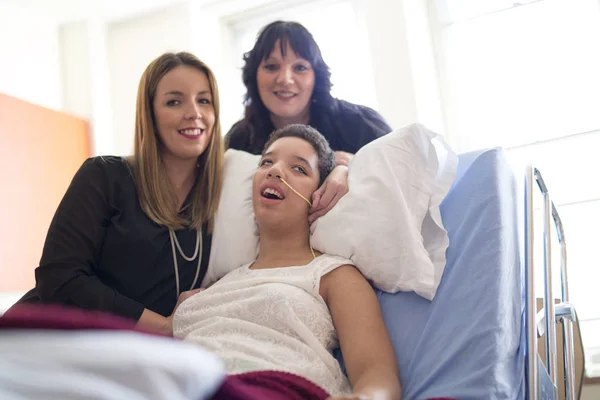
[(302, 42), (318, 142)]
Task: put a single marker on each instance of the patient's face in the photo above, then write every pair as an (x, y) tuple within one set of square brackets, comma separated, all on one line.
[(296, 161)]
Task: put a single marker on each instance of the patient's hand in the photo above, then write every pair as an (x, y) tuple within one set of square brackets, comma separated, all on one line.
[(327, 196)]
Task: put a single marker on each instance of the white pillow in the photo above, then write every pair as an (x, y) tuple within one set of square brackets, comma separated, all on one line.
[(235, 236), (389, 223)]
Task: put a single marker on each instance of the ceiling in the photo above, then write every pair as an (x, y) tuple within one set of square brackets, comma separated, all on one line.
[(74, 10)]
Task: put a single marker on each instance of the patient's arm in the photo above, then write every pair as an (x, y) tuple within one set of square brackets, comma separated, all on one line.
[(366, 347)]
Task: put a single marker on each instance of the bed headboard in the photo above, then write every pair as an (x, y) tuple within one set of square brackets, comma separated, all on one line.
[(40, 151)]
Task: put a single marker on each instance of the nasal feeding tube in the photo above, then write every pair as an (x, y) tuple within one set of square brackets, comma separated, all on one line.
[(305, 199)]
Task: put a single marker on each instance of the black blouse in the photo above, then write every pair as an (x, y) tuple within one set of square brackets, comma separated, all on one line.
[(346, 126), (102, 252)]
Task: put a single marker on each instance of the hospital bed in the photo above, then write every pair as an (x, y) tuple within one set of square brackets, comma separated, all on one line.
[(478, 338)]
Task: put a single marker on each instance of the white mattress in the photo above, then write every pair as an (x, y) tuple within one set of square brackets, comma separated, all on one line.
[(7, 299)]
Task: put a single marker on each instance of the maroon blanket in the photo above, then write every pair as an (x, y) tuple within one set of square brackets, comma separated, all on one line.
[(269, 385), (30, 316), (261, 385), (272, 385)]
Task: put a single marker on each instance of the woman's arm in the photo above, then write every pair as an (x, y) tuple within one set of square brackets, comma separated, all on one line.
[(164, 325), (151, 321), (67, 271), (366, 347)]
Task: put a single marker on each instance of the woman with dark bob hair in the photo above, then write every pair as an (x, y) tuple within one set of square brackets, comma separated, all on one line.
[(288, 82)]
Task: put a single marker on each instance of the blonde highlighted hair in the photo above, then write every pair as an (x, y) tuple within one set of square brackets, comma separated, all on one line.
[(156, 195)]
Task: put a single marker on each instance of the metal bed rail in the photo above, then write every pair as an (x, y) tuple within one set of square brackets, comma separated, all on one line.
[(543, 379)]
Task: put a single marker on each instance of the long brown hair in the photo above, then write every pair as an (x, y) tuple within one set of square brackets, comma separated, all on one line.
[(157, 198)]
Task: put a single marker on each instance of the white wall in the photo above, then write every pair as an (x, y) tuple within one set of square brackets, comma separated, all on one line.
[(406, 79), (29, 54), (7, 299), (590, 392), (132, 44), (212, 42), (75, 68), (423, 63), (85, 79)]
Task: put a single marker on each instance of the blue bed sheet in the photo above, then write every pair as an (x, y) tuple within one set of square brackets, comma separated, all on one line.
[(467, 343)]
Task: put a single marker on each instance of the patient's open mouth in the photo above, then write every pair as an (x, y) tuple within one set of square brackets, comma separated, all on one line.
[(271, 193)]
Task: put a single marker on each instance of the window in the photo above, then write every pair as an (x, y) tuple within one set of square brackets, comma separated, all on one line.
[(525, 76), (351, 70)]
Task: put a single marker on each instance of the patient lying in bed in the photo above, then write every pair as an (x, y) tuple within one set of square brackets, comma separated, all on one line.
[(291, 308)]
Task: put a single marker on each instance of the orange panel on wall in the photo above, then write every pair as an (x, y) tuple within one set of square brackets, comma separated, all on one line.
[(40, 151)]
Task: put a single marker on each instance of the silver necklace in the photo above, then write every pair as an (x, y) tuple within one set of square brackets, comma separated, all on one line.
[(175, 243)]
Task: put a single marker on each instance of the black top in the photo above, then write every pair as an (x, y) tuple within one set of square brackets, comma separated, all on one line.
[(102, 252), (346, 126)]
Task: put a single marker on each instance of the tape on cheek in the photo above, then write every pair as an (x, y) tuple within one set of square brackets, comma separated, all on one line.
[(294, 190)]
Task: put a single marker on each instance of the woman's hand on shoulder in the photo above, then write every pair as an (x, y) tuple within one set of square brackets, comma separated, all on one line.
[(331, 191), (343, 158)]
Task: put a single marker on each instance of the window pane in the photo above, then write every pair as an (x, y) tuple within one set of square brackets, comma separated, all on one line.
[(582, 232), (462, 9), (523, 75), (570, 166), (590, 336)]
